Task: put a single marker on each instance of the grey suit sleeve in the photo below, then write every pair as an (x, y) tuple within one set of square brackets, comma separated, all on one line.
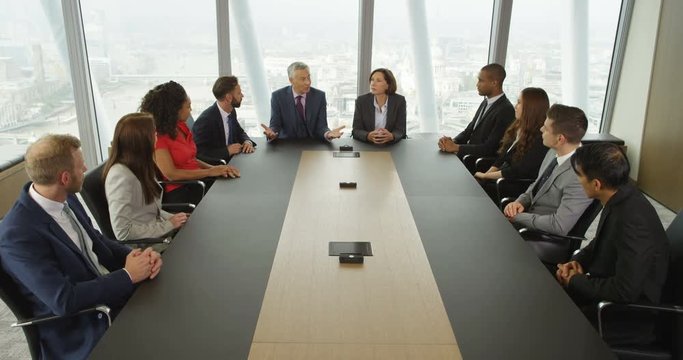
[(321, 122), (275, 113), (572, 206), (123, 195)]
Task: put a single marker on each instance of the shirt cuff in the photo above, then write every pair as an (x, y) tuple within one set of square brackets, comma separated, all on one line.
[(130, 277)]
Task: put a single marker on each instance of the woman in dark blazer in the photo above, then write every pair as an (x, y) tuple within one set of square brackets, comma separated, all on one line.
[(521, 151), (380, 116)]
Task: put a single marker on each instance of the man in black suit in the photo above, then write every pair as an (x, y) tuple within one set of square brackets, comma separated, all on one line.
[(628, 259), (483, 134), (216, 131)]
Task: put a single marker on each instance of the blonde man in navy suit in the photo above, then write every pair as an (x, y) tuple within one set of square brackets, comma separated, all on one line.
[(483, 134), (299, 111), (380, 116), (60, 263)]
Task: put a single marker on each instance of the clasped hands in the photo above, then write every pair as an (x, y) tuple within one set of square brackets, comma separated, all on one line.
[(380, 136), (143, 264), (565, 272), (447, 144), (247, 147)]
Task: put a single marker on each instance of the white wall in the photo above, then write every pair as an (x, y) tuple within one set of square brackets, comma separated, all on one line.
[(628, 119)]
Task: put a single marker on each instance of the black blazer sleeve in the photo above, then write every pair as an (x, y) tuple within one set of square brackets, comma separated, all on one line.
[(502, 118), (527, 166), (209, 136), (399, 118), (359, 132)]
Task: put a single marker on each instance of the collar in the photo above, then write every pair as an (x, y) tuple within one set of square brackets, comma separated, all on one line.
[(384, 107), (622, 193), (224, 114), (491, 100), (53, 208), (295, 94), (565, 157)]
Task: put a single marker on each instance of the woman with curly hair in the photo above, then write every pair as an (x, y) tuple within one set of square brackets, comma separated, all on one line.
[(176, 152), (521, 151)]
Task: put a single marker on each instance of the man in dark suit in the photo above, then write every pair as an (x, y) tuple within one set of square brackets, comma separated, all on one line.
[(216, 132), (627, 260), (483, 134), (59, 261), (299, 111)]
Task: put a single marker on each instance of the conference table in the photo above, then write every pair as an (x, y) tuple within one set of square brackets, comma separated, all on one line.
[(249, 276)]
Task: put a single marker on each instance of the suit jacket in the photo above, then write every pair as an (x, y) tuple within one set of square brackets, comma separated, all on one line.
[(209, 133), (485, 139), (558, 204), (364, 116), (52, 274), (285, 120), (131, 218), (629, 256), (525, 167)]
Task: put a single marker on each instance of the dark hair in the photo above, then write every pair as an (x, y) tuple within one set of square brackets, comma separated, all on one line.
[(133, 146), (535, 104), (496, 71), (164, 102), (224, 85), (569, 121), (603, 161), (388, 77)]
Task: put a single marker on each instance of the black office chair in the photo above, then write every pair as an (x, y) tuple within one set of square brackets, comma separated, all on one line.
[(555, 249), (95, 198), (470, 163), (21, 308), (483, 164), (669, 332)]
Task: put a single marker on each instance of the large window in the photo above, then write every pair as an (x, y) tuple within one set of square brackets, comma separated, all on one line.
[(36, 96), (536, 56), (457, 34), (323, 34), (135, 45)]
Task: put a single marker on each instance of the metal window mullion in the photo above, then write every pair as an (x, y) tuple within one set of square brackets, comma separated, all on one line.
[(366, 9), (617, 62), (223, 29), (81, 82), (500, 31)]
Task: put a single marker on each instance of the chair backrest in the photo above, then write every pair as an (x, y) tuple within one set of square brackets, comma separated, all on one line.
[(586, 219), (96, 198), (673, 287), (21, 308), (582, 225)]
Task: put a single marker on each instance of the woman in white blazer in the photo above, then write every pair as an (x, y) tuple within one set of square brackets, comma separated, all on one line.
[(133, 194)]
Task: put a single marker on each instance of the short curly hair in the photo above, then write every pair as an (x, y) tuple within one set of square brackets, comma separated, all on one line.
[(164, 102)]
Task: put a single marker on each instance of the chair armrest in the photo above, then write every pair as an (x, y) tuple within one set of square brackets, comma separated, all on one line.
[(145, 241), (483, 164), (676, 309), (43, 319), (211, 160), (178, 207), (185, 182), (512, 187), (539, 235), (504, 202), (469, 162)]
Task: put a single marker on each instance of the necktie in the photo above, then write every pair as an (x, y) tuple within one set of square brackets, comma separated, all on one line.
[(81, 239), (300, 108), (483, 107), (544, 177)]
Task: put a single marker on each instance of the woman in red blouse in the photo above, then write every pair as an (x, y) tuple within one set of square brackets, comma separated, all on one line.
[(175, 151)]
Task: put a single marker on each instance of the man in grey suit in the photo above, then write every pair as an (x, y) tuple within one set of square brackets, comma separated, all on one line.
[(299, 111), (556, 200)]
